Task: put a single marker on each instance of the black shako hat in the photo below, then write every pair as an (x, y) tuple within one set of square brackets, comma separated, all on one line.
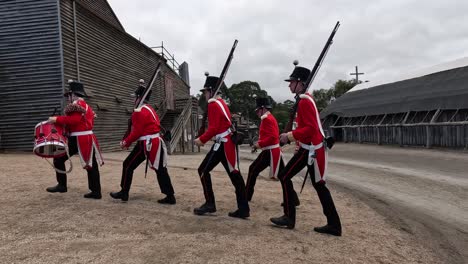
[(262, 102), (210, 83), (299, 73), (75, 87)]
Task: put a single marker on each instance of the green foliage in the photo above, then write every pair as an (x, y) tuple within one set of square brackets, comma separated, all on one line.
[(281, 112), (322, 99), (342, 86), (323, 96), (241, 97)]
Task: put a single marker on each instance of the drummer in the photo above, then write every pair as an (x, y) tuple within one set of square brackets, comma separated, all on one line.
[(79, 120)]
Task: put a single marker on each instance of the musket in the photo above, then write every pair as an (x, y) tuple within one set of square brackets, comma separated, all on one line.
[(140, 101), (148, 87), (218, 85), (311, 77)]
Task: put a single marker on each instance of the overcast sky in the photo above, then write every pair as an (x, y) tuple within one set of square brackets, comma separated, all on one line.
[(384, 38)]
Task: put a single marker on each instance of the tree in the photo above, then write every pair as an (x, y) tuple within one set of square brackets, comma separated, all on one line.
[(323, 96), (322, 99), (241, 98), (281, 112), (342, 86)]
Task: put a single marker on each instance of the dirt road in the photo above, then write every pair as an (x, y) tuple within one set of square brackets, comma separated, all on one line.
[(40, 227), (423, 192)]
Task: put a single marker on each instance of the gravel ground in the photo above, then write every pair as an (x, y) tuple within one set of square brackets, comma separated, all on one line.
[(40, 227)]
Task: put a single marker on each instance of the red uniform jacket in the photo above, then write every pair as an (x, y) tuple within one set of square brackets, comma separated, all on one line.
[(219, 121), (269, 131), (308, 122), (309, 130), (79, 117), (145, 121), (146, 126), (268, 137)]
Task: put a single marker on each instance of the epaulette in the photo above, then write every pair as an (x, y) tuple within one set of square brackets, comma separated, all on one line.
[(70, 108)]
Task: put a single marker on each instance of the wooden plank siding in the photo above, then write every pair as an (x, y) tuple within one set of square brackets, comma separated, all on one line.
[(102, 9), (110, 63), (30, 69), (40, 50), (448, 129)]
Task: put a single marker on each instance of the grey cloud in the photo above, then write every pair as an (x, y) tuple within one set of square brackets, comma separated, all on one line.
[(384, 38)]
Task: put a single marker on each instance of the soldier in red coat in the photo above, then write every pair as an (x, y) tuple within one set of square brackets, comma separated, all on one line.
[(223, 150), (149, 146), (312, 153), (79, 120), (268, 142)]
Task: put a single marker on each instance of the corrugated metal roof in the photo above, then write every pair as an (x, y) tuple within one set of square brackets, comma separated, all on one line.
[(441, 90)]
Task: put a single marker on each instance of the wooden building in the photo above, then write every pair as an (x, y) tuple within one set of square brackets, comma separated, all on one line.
[(428, 108), (45, 43)]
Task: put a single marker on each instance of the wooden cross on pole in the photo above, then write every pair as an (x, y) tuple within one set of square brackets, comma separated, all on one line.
[(357, 73)]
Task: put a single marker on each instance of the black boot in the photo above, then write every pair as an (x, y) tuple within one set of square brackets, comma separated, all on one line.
[(120, 195), (205, 208), (249, 196), (170, 199), (296, 202), (283, 221), (93, 195), (239, 214), (328, 229), (57, 188)]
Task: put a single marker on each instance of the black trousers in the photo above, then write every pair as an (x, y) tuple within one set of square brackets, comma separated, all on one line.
[(258, 165), (212, 159), (295, 165), (94, 183), (134, 159)]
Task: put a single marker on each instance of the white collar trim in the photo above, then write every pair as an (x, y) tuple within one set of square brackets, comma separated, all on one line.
[(139, 108), (265, 115)]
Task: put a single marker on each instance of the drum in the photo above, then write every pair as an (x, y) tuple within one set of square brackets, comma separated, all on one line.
[(50, 140)]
